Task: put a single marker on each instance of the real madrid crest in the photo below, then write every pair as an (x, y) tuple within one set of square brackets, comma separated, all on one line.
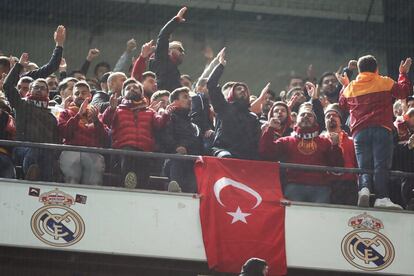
[(365, 247), (55, 223)]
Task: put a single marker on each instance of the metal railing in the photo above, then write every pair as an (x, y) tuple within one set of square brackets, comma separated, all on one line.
[(157, 155)]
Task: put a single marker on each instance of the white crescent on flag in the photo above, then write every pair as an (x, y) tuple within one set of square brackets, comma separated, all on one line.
[(224, 182)]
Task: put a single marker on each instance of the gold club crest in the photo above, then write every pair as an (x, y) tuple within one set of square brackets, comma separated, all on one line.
[(56, 224), (365, 247)]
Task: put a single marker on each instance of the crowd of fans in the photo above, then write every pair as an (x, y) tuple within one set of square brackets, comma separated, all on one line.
[(148, 105)]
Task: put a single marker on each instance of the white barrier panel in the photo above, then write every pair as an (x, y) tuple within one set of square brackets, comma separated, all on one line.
[(161, 225)]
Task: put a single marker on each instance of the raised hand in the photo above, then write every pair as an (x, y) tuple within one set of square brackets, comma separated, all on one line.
[(60, 35), (24, 59), (93, 113), (62, 65), (313, 91), (352, 64), (343, 79), (67, 102), (92, 54), (147, 49), (180, 14), (264, 91), (405, 66), (334, 137), (275, 123), (131, 45), (292, 102), (222, 56), (84, 107)]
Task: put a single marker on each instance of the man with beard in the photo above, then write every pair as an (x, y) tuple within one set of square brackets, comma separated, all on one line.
[(168, 55), (34, 123), (181, 136), (344, 186), (101, 98), (79, 125), (237, 129), (133, 125), (304, 146), (279, 113)]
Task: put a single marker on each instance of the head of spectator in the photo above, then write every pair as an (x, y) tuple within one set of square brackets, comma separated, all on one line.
[(77, 74), (409, 118), (23, 86), (52, 82), (162, 96), (333, 116), (201, 86), (239, 94), (410, 102), (93, 84), (399, 108), (266, 106), (255, 267), (281, 112), (31, 67), (181, 98), (65, 87), (149, 83), (100, 69), (295, 81), (103, 82), (186, 81), (4, 65), (132, 90), (38, 93), (225, 89), (297, 94), (176, 52), (81, 92), (367, 63), (306, 120), (328, 83), (115, 81)]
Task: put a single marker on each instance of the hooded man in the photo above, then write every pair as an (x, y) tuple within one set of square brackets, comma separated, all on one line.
[(280, 112), (304, 146), (237, 129), (133, 125)]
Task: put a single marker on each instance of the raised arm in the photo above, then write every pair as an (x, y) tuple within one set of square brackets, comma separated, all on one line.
[(217, 99), (403, 88), (161, 50), (124, 60), (92, 54), (141, 63), (54, 62), (11, 80)]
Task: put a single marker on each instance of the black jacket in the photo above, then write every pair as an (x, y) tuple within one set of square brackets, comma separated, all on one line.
[(100, 100), (180, 131), (168, 76), (200, 112), (33, 123), (237, 129), (49, 68)]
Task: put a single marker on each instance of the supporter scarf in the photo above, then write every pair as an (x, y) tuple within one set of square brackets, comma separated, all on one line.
[(306, 145), (38, 101), (135, 105)]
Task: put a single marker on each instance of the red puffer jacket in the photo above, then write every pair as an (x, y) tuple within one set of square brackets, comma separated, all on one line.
[(133, 127)]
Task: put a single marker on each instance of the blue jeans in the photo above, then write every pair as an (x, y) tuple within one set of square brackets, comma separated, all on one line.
[(182, 171), (6, 167), (42, 157), (373, 149), (308, 193)]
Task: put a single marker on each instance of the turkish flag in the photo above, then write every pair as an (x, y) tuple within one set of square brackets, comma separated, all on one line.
[(240, 212)]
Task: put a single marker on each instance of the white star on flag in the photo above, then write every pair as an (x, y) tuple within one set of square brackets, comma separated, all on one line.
[(238, 215)]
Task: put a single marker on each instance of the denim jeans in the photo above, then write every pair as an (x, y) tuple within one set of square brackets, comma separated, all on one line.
[(373, 149), (6, 167), (308, 193), (182, 171), (42, 157)]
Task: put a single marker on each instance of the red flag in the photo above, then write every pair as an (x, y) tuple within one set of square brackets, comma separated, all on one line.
[(240, 212)]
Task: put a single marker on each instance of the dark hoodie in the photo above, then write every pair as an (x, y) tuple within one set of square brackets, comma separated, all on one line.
[(286, 129), (253, 267), (237, 129)]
